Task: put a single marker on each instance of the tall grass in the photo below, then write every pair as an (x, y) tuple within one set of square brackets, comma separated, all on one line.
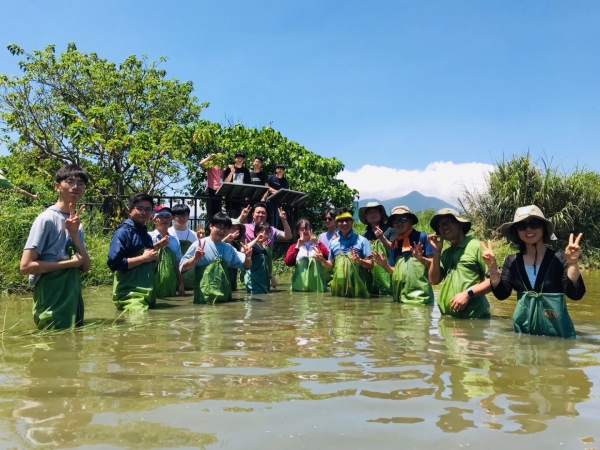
[(570, 200)]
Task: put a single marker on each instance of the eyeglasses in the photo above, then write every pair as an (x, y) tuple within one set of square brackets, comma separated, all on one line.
[(533, 224), (345, 219), (142, 210), (73, 182), (223, 229), (328, 219), (397, 220)]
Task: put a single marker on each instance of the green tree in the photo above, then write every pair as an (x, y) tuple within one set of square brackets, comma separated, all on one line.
[(124, 123), (306, 171)]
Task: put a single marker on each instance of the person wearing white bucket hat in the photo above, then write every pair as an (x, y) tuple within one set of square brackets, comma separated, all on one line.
[(461, 267), (540, 276)]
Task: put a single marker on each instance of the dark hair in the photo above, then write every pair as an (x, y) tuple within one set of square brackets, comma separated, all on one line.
[(71, 171), (220, 218), (521, 244), (299, 222), (260, 158), (278, 165), (142, 197), (260, 205), (181, 209), (260, 226), (239, 154), (343, 209), (328, 212)]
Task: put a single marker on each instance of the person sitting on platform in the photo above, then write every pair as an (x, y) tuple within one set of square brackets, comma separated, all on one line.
[(309, 275), (55, 255), (349, 257), (210, 257), (132, 257), (168, 280)]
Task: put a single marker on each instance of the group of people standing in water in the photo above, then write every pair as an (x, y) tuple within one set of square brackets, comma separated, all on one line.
[(390, 258)]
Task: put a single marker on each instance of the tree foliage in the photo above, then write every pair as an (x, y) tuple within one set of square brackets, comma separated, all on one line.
[(306, 171), (124, 123), (570, 200)]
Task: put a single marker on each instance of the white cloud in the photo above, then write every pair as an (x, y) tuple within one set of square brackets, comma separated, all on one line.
[(441, 179)]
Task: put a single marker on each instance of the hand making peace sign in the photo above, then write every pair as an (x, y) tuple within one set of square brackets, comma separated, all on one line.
[(573, 251), (487, 254), (199, 253), (73, 222)]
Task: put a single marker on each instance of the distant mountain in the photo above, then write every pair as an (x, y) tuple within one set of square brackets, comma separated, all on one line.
[(415, 202)]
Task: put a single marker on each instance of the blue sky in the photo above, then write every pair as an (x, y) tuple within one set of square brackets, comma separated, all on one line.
[(384, 84)]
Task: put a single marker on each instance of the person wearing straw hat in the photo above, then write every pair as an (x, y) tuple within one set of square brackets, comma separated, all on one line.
[(409, 259), (379, 235), (168, 281), (461, 267), (540, 276), (349, 257)]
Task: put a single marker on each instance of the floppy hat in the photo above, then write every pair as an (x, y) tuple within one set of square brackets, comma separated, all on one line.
[(402, 211), (449, 212), (362, 212), (525, 212)]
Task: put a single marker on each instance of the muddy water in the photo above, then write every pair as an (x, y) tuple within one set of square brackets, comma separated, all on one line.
[(298, 371)]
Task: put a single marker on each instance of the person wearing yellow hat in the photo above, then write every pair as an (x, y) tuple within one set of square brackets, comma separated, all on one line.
[(349, 257), (409, 260), (461, 267), (379, 235), (540, 276)]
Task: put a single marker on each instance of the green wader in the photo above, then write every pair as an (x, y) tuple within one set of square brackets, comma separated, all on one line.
[(348, 279), (188, 277), (165, 280), (257, 278), (212, 283), (309, 276), (378, 280), (57, 300), (543, 315), (410, 283), (133, 290)]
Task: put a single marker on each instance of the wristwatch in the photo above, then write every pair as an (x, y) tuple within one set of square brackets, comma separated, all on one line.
[(470, 293)]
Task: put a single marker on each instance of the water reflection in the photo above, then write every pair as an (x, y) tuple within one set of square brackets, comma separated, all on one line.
[(369, 364)]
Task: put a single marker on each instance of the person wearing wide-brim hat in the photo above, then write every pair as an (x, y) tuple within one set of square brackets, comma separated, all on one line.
[(409, 259), (540, 276), (461, 267), (379, 235)]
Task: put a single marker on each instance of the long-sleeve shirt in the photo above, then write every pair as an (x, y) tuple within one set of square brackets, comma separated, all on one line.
[(551, 277), (129, 239), (292, 253)]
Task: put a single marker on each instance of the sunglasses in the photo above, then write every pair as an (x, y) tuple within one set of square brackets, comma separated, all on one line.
[(344, 220), (533, 224), (397, 220), (328, 219)]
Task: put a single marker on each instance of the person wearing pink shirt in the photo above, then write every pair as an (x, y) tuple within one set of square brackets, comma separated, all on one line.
[(214, 179)]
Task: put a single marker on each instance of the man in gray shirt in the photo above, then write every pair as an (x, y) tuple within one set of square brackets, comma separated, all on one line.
[(55, 254)]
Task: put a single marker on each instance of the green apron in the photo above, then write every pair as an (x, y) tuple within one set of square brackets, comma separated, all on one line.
[(308, 276), (348, 278), (165, 280), (257, 278), (542, 314), (188, 277), (212, 283), (133, 290), (410, 283), (57, 300), (378, 280)]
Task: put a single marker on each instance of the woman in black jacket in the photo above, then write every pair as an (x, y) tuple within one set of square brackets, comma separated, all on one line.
[(540, 276)]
